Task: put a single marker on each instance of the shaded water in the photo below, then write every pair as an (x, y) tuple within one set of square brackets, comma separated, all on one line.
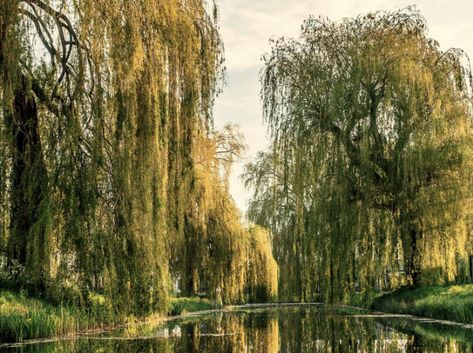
[(301, 329)]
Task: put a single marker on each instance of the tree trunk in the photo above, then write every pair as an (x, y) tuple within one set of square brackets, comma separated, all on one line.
[(28, 171), (413, 263), (191, 262), (410, 241), (332, 280), (28, 181)]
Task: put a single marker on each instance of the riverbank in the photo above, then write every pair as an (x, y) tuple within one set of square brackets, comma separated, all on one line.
[(452, 303), (25, 318)]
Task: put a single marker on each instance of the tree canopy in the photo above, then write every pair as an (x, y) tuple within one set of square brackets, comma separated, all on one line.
[(367, 183), (112, 176)]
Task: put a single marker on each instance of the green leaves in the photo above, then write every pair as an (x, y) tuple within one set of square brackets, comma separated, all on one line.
[(135, 178), (369, 136)]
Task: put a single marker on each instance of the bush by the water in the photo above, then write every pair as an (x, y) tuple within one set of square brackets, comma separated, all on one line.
[(182, 305)]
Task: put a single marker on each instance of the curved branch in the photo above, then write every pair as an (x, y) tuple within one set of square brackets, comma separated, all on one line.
[(42, 30), (68, 39)]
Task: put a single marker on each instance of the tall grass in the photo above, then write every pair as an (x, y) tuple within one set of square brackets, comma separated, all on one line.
[(23, 318), (454, 303)]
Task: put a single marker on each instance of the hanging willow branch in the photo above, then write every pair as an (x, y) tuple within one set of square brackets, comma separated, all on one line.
[(371, 141), (71, 76)]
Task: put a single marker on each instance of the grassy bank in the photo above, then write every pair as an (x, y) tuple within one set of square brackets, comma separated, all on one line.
[(180, 306), (454, 303), (23, 318)]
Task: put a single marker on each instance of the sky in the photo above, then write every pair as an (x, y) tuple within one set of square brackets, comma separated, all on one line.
[(248, 25)]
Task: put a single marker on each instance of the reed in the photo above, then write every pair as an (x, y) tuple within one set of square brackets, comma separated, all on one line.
[(23, 318)]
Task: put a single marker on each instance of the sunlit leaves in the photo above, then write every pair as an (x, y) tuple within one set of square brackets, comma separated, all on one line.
[(136, 178), (371, 154)]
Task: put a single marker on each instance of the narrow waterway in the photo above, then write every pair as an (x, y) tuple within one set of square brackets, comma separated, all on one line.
[(270, 330)]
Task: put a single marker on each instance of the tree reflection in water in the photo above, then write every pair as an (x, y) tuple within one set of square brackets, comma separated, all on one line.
[(285, 330)]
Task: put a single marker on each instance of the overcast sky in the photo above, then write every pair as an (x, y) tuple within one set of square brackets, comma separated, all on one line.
[(247, 26)]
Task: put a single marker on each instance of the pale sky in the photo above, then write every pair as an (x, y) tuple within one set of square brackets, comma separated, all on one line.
[(247, 26)]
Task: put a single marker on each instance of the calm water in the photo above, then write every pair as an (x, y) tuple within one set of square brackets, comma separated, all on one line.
[(271, 330)]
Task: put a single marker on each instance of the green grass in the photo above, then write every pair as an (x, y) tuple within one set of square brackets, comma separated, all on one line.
[(23, 317), (186, 305), (26, 318), (348, 310), (454, 303), (363, 300)]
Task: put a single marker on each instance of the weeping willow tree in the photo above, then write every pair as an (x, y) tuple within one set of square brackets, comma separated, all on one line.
[(368, 180), (218, 255), (263, 269), (106, 109)]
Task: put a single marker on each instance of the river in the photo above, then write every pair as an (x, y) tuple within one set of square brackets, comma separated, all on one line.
[(291, 329)]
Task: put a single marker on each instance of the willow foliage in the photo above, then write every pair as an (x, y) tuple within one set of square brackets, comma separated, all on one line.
[(111, 171), (368, 182)]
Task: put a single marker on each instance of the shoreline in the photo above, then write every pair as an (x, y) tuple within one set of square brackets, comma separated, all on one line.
[(395, 299), (155, 321)]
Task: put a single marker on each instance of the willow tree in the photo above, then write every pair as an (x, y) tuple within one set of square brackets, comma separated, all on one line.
[(34, 87), (213, 156), (113, 177), (371, 152), (102, 105), (218, 255)]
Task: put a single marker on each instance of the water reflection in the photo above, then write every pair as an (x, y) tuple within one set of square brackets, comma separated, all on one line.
[(294, 330)]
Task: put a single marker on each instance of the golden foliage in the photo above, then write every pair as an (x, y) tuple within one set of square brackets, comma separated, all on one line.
[(368, 182), (133, 177)]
